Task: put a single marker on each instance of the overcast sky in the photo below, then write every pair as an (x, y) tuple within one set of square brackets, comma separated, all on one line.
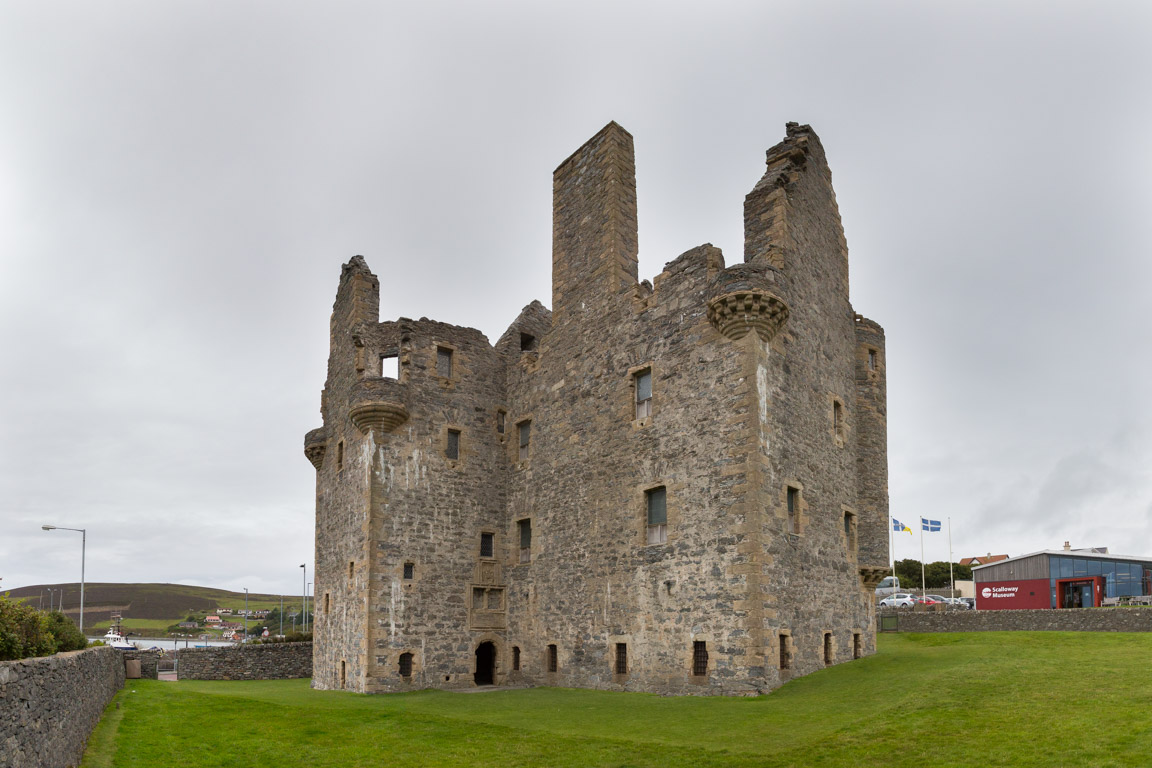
[(181, 181)]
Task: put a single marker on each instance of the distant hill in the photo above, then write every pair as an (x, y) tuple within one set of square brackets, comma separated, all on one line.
[(170, 602)]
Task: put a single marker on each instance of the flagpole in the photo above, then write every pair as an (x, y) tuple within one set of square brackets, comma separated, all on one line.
[(951, 575), (923, 581)]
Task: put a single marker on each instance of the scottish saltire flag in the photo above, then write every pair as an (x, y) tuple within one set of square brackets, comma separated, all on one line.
[(932, 526), (899, 527)]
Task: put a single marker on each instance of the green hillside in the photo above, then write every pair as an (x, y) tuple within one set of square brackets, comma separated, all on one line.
[(147, 605)]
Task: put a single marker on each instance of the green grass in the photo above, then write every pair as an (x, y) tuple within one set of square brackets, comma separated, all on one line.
[(987, 699)]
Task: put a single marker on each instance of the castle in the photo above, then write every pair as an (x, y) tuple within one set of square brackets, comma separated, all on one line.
[(678, 487)]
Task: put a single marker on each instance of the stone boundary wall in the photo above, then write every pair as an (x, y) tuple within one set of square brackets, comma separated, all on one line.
[(149, 667), (1118, 619), (50, 704), (270, 661)]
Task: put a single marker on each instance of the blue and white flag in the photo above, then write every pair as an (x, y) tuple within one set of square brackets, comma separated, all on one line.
[(932, 526)]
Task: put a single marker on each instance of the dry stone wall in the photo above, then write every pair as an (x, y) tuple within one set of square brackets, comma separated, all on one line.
[(259, 661), (1118, 619), (49, 705)]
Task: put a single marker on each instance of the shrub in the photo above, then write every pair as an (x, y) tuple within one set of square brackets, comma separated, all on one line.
[(67, 635), (22, 631)]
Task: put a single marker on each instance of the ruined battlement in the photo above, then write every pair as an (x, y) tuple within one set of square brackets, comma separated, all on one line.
[(677, 486)]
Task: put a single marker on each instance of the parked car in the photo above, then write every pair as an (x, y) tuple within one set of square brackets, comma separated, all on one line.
[(929, 600), (890, 586), (968, 602), (898, 600)]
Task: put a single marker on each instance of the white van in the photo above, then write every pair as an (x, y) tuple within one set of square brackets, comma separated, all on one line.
[(890, 586)]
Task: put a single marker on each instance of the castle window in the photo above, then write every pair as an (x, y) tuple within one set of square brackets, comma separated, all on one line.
[(657, 504), (644, 394), (390, 365), (527, 342), (515, 658), (477, 598), (495, 599), (857, 645), (793, 510), (405, 665), (340, 456), (699, 658), (500, 416), (871, 359), (343, 673), (785, 651), (409, 571), (487, 544), (452, 448), (850, 529), (326, 602), (525, 428), (525, 527), (553, 660), (621, 658), (351, 570), (443, 362), (838, 420), (828, 655)]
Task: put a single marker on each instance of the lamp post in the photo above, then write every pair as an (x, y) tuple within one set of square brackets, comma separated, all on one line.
[(245, 615), (281, 615), (303, 594), (309, 592), (83, 546), (50, 603)]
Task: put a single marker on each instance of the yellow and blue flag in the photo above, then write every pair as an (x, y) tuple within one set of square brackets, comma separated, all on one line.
[(899, 527)]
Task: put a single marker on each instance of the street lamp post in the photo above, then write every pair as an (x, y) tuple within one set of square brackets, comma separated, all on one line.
[(303, 595), (281, 615), (245, 615), (309, 592), (83, 546)]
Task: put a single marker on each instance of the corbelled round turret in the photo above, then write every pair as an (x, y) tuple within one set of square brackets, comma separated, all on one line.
[(744, 298)]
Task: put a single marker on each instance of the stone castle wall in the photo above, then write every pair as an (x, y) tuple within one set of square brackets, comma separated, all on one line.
[(258, 661), (767, 391), (49, 705)]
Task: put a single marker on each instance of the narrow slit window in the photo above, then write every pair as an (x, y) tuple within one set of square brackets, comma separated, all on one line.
[(553, 660), (340, 455), (525, 428), (657, 511), (351, 570), (390, 365), (343, 673), (621, 658), (793, 510), (785, 651), (515, 658), (871, 359), (644, 394), (857, 646), (405, 665), (487, 544), (327, 601), (838, 418), (699, 658), (850, 530), (409, 571), (525, 527), (828, 655), (443, 362), (452, 447), (500, 416)]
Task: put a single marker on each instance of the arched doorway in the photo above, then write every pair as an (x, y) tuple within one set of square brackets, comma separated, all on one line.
[(485, 664)]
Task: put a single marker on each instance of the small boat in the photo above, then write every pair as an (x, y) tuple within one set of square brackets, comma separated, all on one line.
[(114, 638)]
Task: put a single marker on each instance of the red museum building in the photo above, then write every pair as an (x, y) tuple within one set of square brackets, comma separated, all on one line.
[(1068, 578)]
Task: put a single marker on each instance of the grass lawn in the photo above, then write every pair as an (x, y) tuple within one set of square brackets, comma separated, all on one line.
[(987, 699)]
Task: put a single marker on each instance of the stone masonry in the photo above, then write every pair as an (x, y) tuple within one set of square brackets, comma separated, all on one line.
[(674, 487), (255, 661)]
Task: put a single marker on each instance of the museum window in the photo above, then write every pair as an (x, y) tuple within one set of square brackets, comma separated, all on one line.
[(390, 365), (405, 665), (656, 503), (857, 645), (793, 495), (553, 660), (828, 654), (621, 658), (699, 658), (527, 342), (515, 658), (487, 544), (409, 571), (443, 362), (525, 530), (525, 429), (500, 416), (452, 447), (643, 382), (785, 651)]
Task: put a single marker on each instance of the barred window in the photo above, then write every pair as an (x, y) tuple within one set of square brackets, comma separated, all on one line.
[(487, 544), (444, 362), (699, 658), (409, 570), (406, 665), (621, 658)]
